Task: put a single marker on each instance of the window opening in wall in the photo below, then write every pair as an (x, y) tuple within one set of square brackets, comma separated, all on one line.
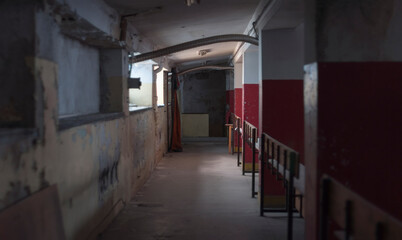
[(141, 98)]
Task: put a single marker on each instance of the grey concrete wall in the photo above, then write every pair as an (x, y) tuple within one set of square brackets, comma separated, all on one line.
[(250, 66), (282, 53), (229, 80), (113, 80), (205, 92), (78, 78), (98, 13), (350, 31), (238, 74), (17, 108), (78, 68)]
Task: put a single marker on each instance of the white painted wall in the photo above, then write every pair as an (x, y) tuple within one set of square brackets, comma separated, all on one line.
[(238, 75), (160, 87), (282, 54), (229, 80), (142, 96), (250, 66), (144, 71)]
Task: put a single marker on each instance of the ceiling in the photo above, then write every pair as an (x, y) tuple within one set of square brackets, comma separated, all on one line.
[(170, 22)]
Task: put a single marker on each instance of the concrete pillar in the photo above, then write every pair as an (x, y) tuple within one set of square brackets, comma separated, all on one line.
[(238, 96), (113, 80), (229, 93), (250, 96), (352, 101), (17, 108), (281, 95)]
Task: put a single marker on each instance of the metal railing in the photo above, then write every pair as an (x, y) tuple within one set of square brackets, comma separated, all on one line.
[(284, 163), (358, 218), (236, 121), (250, 138)]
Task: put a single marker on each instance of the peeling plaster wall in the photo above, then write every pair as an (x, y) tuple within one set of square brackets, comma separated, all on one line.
[(160, 142), (142, 136), (97, 166), (148, 129), (100, 15)]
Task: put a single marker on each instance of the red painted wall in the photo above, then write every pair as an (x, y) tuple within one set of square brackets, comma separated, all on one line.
[(283, 115), (238, 108), (250, 103), (230, 102), (355, 115), (238, 102), (283, 119), (250, 112)]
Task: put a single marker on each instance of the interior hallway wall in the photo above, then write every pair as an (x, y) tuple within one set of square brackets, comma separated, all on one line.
[(250, 81), (238, 98), (97, 165), (229, 93), (352, 94), (281, 100), (250, 94), (282, 84), (204, 92)]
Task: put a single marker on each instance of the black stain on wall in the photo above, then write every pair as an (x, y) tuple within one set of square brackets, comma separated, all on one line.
[(108, 171), (17, 192), (42, 177), (108, 176)]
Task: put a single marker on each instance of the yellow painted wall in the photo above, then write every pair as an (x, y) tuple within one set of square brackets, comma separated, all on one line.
[(195, 125)]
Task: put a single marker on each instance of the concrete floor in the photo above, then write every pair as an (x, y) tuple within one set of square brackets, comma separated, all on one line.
[(198, 194)]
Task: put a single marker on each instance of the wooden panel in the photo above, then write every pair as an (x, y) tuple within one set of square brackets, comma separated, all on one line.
[(37, 217)]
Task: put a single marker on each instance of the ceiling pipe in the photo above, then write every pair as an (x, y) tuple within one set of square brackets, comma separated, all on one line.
[(256, 23), (194, 44), (204, 67)]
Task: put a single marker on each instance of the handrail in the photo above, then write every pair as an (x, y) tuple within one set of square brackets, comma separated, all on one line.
[(236, 127), (275, 146), (250, 138), (357, 217), (279, 155), (232, 120)]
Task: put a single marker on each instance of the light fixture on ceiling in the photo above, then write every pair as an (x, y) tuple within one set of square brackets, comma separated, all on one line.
[(203, 52), (191, 2)]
